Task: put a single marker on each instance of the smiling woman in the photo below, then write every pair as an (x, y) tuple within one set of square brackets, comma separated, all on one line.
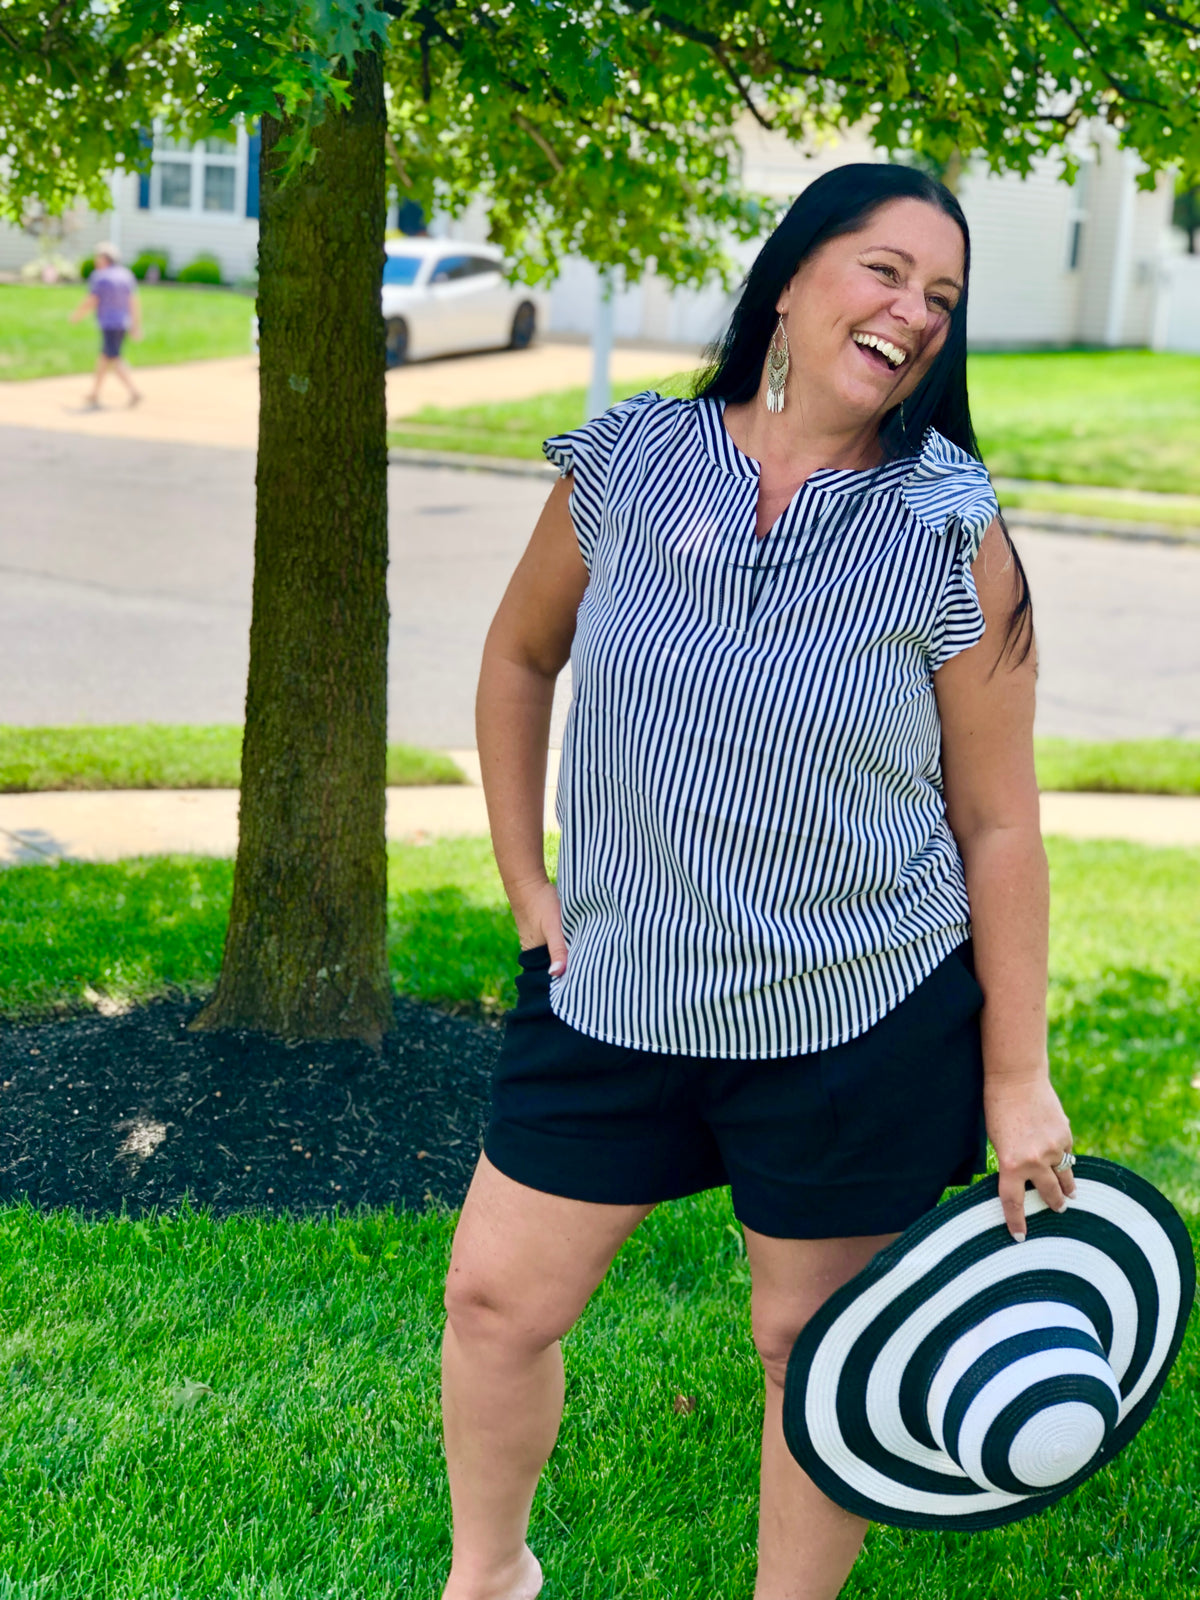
[(797, 941)]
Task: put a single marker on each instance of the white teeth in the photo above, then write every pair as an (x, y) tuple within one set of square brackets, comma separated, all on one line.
[(894, 355)]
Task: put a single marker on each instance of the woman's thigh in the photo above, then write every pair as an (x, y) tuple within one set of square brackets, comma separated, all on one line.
[(791, 1279), (527, 1259)]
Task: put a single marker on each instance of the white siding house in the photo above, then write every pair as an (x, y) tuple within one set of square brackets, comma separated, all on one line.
[(197, 199), (1052, 264)]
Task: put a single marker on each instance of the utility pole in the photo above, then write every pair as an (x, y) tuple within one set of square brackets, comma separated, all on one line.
[(599, 396)]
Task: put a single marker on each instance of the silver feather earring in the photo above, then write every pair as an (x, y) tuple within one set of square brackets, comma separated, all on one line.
[(777, 366)]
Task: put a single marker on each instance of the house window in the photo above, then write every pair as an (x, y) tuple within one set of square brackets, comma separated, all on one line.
[(198, 176), (1077, 217)]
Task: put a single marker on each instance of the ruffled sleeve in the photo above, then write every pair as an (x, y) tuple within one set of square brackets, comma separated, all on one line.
[(950, 493), (587, 453)]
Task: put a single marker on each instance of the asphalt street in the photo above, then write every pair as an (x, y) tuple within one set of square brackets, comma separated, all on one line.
[(127, 570)]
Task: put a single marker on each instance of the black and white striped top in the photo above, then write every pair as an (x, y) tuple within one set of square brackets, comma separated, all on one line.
[(755, 859)]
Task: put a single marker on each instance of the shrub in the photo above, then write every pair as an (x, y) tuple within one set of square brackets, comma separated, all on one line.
[(204, 269), (86, 267), (148, 259), (49, 269)]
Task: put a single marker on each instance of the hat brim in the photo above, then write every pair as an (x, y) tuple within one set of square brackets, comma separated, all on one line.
[(858, 1376)]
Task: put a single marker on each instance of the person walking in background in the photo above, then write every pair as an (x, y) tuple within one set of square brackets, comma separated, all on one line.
[(112, 295)]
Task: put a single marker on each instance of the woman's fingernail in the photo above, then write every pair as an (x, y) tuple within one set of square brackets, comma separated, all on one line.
[(556, 968), (1019, 1237)]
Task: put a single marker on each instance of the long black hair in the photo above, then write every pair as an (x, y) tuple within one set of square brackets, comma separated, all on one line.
[(839, 202)]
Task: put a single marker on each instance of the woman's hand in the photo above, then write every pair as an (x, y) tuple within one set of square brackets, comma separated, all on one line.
[(539, 921), (1030, 1134)]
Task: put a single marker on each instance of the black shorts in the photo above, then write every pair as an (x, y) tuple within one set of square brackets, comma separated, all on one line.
[(859, 1139), (111, 340)]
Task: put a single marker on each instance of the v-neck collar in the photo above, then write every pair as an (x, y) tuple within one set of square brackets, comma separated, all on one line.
[(828, 480)]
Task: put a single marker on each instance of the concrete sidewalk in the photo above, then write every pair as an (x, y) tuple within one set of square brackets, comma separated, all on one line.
[(216, 402), (108, 825)]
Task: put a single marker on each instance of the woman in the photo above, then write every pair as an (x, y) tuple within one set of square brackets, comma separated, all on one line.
[(798, 939)]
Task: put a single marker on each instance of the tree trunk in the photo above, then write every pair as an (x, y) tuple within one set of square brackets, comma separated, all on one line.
[(305, 952)]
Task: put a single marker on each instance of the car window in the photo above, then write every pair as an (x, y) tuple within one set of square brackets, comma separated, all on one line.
[(401, 269), (449, 268), (481, 264)]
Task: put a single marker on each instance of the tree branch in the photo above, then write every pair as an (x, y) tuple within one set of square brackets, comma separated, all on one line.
[(716, 48), (394, 156), (1115, 83), (543, 145), (1170, 19)]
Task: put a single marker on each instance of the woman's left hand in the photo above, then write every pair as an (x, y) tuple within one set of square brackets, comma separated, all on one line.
[(1030, 1134)]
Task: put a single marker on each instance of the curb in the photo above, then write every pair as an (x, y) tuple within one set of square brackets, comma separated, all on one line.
[(506, 466), (1100, 527)]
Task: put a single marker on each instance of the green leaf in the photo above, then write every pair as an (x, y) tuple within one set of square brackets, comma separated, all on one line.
[(188, 1395)]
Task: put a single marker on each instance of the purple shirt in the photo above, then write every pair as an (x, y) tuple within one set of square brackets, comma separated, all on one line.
[(113, 287)]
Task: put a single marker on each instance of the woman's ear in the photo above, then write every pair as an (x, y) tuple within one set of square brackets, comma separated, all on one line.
[(785, 296)]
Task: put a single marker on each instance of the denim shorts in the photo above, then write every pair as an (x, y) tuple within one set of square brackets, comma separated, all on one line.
[(862, 1138)]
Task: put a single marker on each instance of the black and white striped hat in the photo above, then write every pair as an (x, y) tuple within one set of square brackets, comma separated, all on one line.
[(965, 1380)]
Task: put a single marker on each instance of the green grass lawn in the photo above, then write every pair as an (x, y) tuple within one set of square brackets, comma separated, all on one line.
[(162, 756), (1174, 512), (1125, 419), (204, 1411), (175, 756), (1131, 766), (181, 324)]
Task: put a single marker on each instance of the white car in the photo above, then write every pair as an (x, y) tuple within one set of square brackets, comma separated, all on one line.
[(441, 295)]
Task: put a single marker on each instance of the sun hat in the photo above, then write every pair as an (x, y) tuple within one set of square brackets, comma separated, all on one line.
[(964, 1379)]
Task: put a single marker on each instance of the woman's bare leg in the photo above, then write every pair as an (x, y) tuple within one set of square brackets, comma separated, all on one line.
[(523, 1267), (806, 1543)]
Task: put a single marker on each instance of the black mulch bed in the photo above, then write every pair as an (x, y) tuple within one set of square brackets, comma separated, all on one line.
[(133, 1112)]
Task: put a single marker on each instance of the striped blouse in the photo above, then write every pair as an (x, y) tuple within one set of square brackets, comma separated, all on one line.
[(755, 859)]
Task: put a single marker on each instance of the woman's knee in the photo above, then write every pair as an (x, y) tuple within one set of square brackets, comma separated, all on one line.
[(775, 1333), (482, 1311)]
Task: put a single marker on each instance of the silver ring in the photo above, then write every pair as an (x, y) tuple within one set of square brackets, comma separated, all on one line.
[(1067, 1161)]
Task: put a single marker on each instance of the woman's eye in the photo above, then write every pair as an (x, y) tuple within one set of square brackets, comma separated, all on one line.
[(942, 305), (883, 266)]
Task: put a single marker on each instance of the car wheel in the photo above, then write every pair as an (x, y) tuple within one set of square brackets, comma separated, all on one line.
[(397, 341), (524, 327)]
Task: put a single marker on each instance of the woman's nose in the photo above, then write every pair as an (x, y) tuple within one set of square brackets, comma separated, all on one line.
[(911, 309)]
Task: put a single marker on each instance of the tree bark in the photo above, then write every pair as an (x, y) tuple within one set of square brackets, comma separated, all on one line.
[(305, 951)]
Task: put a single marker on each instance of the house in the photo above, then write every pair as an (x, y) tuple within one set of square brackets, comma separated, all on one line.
[(1053, 264)]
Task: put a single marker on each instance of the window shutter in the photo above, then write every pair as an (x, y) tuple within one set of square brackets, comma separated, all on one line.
[(146, 140), (253, 156)]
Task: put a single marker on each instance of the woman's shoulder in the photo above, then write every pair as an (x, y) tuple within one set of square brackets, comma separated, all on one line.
[(648, 415), (948, 487)]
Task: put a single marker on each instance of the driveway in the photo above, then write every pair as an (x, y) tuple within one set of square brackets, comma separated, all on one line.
[(216, 402), (128, 565)]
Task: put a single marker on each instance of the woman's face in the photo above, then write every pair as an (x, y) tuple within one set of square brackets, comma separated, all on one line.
[(893, 283)]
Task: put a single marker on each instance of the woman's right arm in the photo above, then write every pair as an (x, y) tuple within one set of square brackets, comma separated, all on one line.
[(527, 646)]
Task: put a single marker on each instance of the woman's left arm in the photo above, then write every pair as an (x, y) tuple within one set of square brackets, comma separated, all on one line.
[(985, 701)]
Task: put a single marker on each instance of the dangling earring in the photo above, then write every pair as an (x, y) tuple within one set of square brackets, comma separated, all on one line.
[(777, 366), (903, 429)]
